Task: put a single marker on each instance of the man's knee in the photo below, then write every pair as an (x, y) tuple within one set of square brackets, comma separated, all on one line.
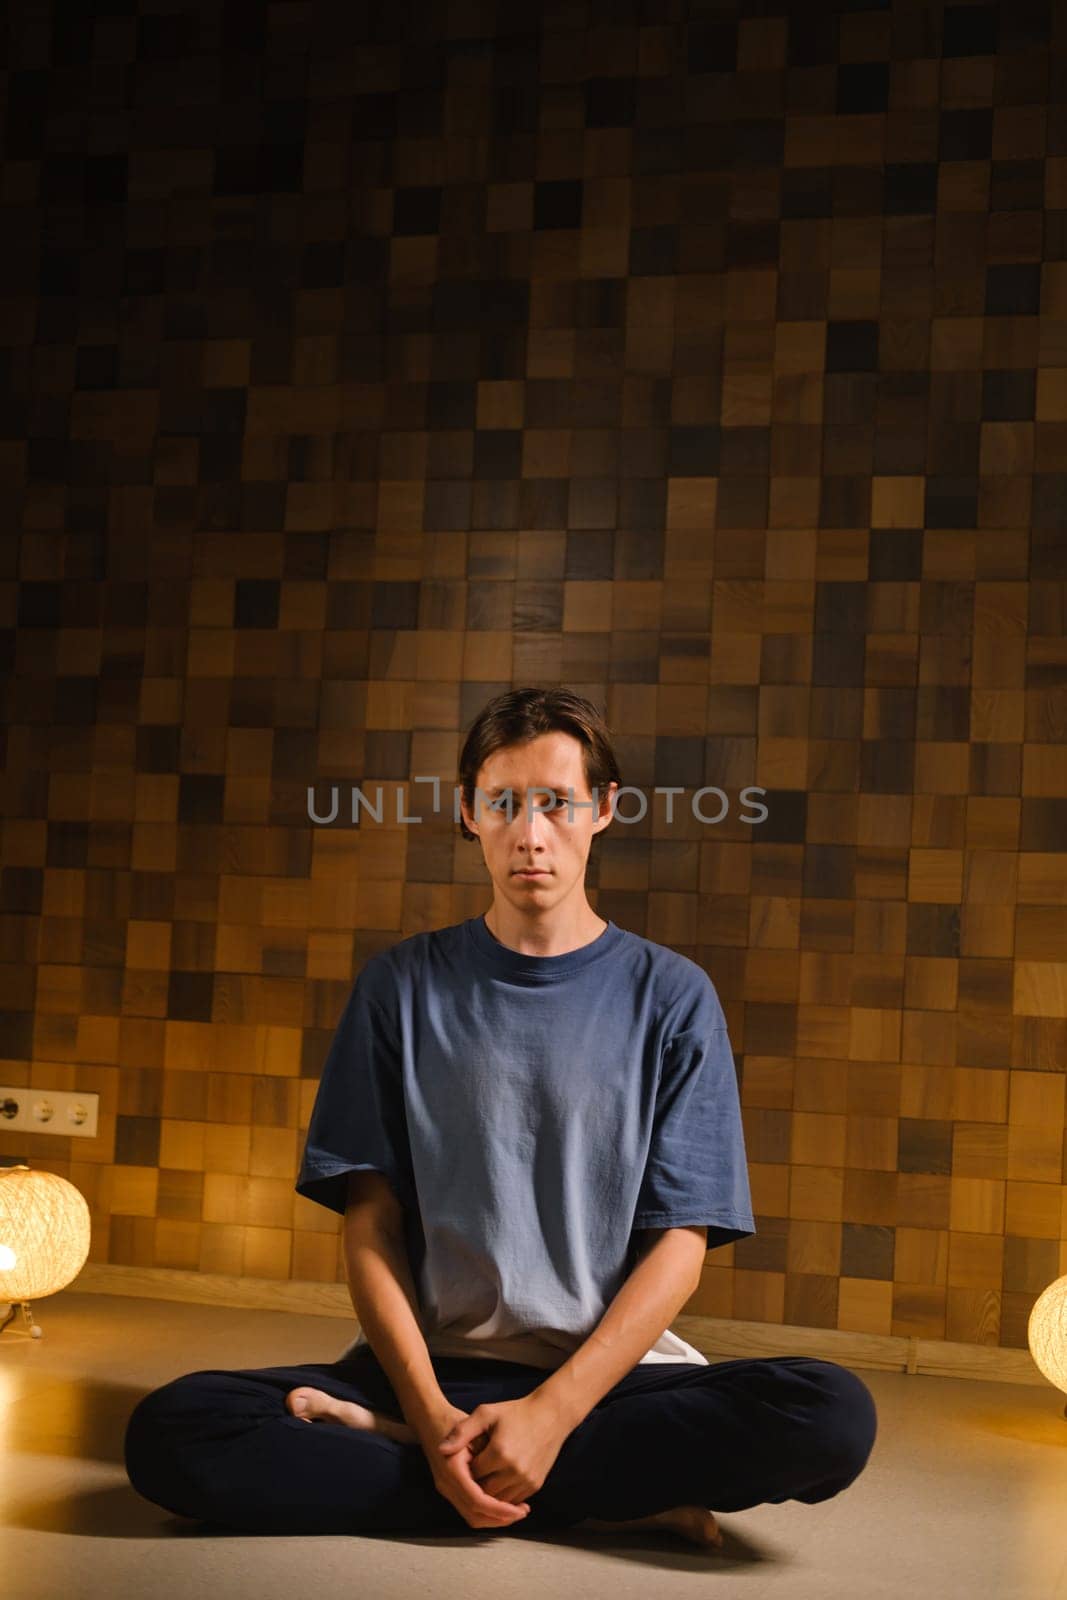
[(847, 1420), (148, 1446), (171, 1400)]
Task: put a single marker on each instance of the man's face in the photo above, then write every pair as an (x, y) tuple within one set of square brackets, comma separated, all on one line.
[(550, 839)]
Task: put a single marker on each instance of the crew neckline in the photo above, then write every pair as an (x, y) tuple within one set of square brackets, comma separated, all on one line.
[(525, 968)]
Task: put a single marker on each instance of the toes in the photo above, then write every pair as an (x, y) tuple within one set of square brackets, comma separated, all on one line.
[(299, 1401)]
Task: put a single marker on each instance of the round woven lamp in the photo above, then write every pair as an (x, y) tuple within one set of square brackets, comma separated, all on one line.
[(1046, 1333), (44, 1239)]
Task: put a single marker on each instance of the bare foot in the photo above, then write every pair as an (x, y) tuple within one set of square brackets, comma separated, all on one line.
[(694, 1523), (313, 1405)]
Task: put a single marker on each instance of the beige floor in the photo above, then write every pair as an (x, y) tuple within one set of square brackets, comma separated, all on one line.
[(964, 1495)]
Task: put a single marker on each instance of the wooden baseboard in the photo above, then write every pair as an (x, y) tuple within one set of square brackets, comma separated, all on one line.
[(715, 1337), (215, 1289), (720, 1339)]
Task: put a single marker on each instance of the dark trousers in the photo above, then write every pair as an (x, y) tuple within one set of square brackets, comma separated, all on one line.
[(220, 1446)]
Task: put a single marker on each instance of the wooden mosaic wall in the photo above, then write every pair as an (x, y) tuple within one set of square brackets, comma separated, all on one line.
[(709, 359)]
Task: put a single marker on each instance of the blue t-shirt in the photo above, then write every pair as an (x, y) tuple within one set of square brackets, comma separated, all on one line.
[(531, 1112)]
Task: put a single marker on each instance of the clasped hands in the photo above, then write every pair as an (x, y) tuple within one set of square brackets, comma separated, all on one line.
[(491, 1458)]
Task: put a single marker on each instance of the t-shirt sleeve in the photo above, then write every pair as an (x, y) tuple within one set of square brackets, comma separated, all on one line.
[(358, 1122), (697, 1172)]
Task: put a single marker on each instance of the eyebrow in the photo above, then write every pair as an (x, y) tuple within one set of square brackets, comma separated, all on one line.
[(557, 788)]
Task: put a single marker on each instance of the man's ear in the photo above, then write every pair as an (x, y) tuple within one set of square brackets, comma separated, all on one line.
[(471, 825), (602, 821)]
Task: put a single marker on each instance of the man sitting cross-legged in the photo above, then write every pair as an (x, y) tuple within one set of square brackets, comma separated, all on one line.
[(530, 1123)]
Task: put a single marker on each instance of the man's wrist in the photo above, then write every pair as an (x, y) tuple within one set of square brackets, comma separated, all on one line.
[(567, 1410), (430, 1420)]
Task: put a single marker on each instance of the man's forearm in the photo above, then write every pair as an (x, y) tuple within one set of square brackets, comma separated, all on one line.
[(646, 1305), (383, 1294)]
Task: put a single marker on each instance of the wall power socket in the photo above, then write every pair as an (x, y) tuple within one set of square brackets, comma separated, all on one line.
[(58, 1111)]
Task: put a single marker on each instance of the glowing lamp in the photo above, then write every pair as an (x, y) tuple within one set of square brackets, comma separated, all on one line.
[(44, 1238), (1046, 1333)]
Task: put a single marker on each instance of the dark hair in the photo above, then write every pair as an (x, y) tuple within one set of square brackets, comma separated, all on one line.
[(521, 715)]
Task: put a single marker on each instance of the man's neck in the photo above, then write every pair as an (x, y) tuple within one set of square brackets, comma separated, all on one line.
[(533, 938)]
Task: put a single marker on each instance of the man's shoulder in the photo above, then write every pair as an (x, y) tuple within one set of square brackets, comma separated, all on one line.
[(682, 988), (664, 960), (406, 958)]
